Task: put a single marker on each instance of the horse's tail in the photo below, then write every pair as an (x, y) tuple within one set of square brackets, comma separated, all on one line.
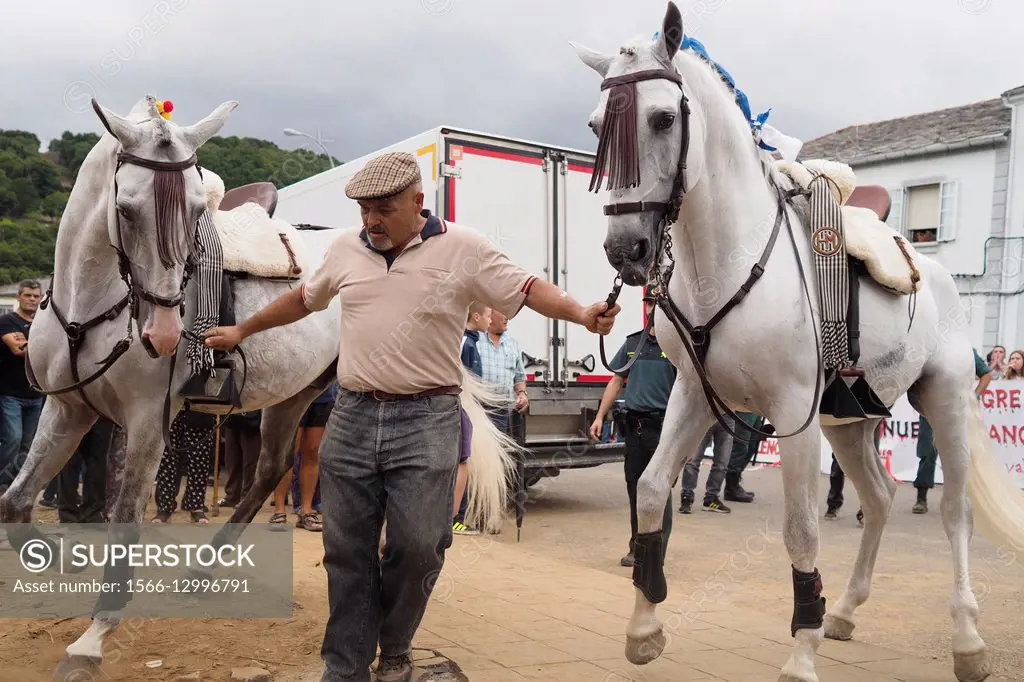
[(997, 504), (492, 457)]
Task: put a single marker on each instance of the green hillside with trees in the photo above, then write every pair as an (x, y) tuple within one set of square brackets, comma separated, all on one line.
[(34, 186)]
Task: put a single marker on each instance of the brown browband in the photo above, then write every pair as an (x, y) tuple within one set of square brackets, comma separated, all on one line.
[(649, 74), (387, 397)]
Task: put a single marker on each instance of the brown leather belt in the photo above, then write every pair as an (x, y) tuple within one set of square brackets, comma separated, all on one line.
[(383, 396)]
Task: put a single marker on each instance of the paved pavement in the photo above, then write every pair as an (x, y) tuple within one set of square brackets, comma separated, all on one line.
[(501, 615)]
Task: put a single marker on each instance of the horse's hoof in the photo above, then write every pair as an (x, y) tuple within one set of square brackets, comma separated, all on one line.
[(973, 667), (838, 628), (645, 650), (787, 677), (77, 669)]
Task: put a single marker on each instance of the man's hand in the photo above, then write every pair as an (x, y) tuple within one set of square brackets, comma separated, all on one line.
[(224, 338), (522, 402), (17, 343), (597, 319), (595, 429)]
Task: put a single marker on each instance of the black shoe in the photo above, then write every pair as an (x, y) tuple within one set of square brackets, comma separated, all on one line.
[(685, 506), (921, 507), (831, 513), (48, 503), (734, 492), (860, 518), (394, 669), (715, 505)]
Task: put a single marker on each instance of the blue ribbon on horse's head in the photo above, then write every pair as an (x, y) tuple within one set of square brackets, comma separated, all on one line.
[(756, 122)]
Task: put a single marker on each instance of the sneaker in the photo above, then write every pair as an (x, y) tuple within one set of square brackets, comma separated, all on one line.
[(715, 505), (831, 513), (394, 669), (685, 506), (459, 528), (921, 507)]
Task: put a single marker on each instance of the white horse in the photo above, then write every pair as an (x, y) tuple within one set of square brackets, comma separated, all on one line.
[(142, 157), (762, 353)]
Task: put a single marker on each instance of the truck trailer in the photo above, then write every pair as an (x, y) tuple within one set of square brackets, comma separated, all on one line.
[(532, 200)]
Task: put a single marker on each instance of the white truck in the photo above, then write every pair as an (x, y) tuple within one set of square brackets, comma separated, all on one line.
[(532, 200)]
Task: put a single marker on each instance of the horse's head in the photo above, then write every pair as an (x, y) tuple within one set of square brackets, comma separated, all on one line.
[(643, 124), (156, 200)]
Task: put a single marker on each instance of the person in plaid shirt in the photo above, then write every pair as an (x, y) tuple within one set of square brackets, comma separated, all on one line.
[(502, 362)]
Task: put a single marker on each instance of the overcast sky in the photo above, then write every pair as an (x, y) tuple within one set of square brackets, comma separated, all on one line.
[(372, 73)]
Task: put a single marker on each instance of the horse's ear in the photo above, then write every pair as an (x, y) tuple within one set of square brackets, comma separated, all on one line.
[(196, 135), (671, 32), (122, 129), (592, 58)]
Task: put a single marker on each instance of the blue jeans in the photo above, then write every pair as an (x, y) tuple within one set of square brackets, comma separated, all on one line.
[(18, 420), (721, 451), (395, 460)]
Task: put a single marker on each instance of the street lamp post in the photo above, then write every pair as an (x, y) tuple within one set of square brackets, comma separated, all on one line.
[(318, 140)]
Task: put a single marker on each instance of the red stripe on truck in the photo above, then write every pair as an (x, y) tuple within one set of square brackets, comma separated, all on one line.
[(508, 156)]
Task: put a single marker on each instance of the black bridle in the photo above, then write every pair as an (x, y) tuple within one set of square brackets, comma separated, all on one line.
[(76, 331), (697, 339)]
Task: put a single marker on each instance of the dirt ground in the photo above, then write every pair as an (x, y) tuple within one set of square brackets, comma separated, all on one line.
[(716, 563)]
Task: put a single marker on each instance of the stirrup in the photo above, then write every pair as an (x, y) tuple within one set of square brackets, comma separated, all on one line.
[(194, 389), (844, 401)]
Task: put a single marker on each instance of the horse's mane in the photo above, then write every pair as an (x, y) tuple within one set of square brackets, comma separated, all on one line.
[(721, 78)]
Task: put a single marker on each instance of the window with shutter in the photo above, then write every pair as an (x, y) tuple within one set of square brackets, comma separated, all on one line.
[(922, 213), (895, 219), (947, 210)]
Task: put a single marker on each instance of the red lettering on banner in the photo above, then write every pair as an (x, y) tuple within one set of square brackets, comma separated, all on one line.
[(1015, 399), (993, 433), (986, 398), (769, 447), (1000, 397)]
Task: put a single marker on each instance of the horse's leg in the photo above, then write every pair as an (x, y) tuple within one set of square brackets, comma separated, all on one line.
[(143, 446), (941, 397), (801, 457), (278, 426), (61, 427), (687, 418), (854, 447)]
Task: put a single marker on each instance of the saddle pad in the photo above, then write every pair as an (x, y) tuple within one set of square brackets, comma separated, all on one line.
[(255, 243), (251, 239), (877, 245), (868, 238)]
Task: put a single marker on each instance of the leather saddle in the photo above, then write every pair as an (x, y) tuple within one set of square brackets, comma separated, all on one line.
[(874, 197), (263, 194)]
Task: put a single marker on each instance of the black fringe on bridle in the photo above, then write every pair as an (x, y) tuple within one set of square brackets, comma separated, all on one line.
[(618, 152), (169, 201), (170, 205), (617, 149)]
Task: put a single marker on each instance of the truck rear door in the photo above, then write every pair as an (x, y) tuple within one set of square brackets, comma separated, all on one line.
[(505, 190), (585, 271)]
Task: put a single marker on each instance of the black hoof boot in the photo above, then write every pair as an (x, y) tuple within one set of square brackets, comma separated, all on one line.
[(648, 566)]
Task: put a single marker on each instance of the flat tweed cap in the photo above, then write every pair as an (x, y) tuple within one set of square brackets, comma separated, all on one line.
[(384, 176)]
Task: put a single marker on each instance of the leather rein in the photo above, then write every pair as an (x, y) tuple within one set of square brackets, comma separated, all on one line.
[(697, 338), (76, 331)]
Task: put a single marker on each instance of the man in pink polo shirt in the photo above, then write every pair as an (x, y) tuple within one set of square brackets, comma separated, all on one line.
[(391, 445)]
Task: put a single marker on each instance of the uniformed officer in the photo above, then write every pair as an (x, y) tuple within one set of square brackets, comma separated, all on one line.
[(648, 384), (926, 451)]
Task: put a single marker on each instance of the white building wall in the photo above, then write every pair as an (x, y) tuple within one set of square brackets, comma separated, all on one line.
[(1013, 327), (964, 254)]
